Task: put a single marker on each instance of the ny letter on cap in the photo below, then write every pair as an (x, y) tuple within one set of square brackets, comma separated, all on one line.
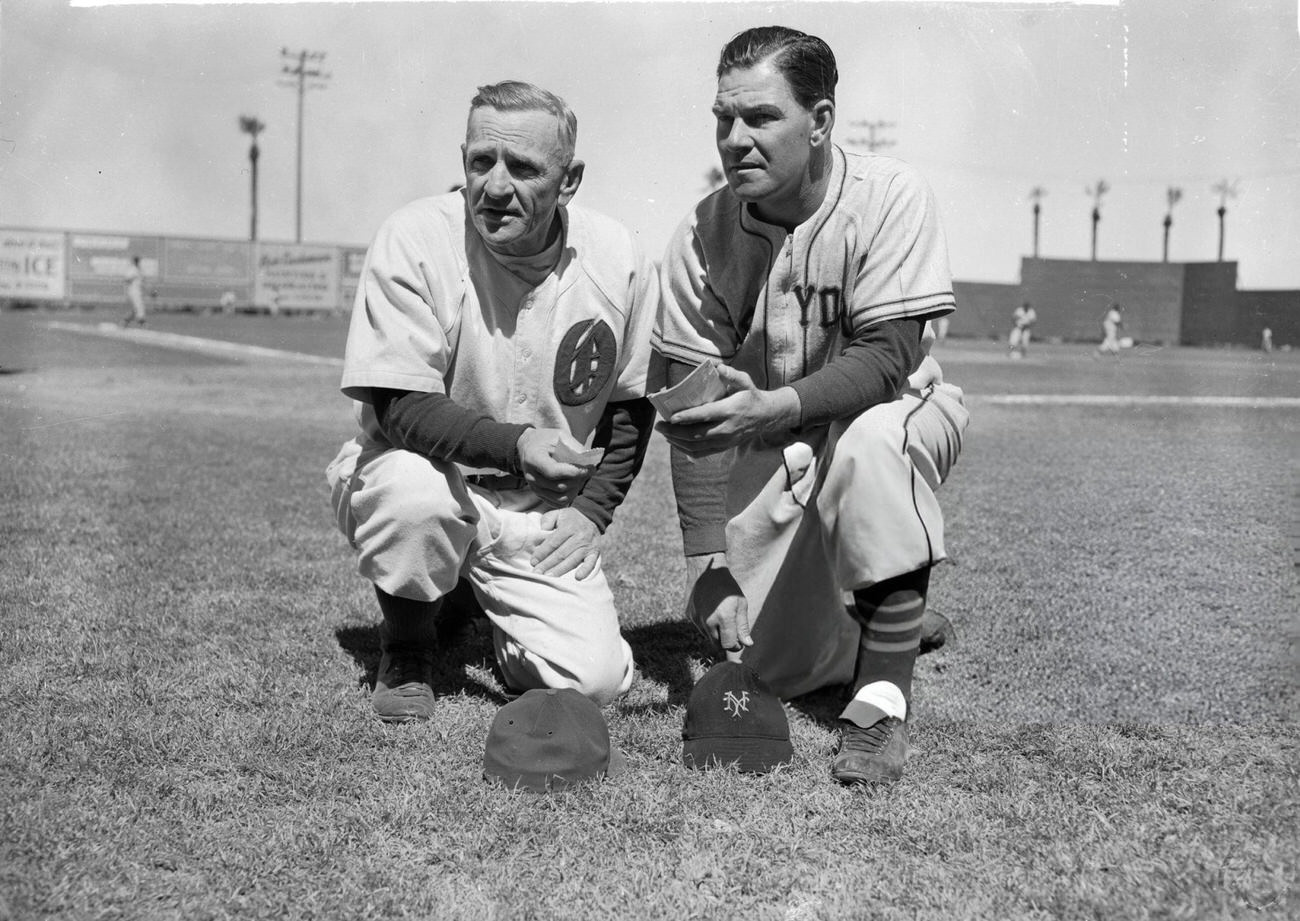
[(733, 717)]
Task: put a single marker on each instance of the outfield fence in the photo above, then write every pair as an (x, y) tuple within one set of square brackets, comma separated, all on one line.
[(86, 269)]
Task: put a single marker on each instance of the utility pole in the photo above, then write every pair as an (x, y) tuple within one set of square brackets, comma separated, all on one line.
[(1097, 191), (252, 126), (1036, 194), (1226, 190), (302, 73), (871, 142), (1172, 195)]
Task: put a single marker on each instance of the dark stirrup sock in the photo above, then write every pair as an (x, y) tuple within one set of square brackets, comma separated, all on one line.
[(891, 613), (406, 621)]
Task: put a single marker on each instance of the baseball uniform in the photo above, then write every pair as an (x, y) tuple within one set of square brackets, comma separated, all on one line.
[(437, 312), (1022, 321), (845, 501), (134, 280), (1110, 324)]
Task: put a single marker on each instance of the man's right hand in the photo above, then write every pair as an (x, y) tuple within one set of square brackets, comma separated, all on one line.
[(717, 606), (556, 482)]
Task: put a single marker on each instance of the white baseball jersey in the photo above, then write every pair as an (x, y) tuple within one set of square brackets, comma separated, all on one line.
[(780, 305), (435, 312)]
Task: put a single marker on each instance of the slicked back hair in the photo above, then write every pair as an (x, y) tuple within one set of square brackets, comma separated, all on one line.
[(806, 61), (517, 96)]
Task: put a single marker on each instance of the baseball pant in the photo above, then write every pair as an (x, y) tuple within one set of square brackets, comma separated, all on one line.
[(813, 520), (419, 527)]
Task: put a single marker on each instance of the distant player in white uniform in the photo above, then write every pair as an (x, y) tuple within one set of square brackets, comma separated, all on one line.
[(1023, 319), (1111, 324), (811, 279), (497, 355), (134, 280)]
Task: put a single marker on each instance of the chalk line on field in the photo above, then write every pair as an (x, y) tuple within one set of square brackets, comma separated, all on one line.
[(192, 343), (1088, 399)]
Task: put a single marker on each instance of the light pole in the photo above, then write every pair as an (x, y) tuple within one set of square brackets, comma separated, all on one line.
[(1171, 195), (301, 72), (1036, 193), (1096, 192), (871, 142), (1226, 190), (250, 125)]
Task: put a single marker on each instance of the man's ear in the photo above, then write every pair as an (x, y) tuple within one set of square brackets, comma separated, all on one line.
[(823, 119), (572, 179)]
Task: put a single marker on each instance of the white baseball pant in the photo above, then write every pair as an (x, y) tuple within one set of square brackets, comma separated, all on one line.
[(811, 521), (419, 527)]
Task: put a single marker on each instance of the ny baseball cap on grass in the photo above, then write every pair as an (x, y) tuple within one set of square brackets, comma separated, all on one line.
[(733, 717), (546, 740)]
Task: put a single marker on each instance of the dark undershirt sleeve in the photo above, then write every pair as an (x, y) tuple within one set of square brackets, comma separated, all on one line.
[(872, 369), (700, 487), (624, 432), (436, 426)]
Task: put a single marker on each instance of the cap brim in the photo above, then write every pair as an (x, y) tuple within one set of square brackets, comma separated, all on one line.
[(751, 756), (617, 763)]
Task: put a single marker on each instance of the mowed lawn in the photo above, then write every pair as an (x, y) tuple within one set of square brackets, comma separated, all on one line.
[(186, 653)]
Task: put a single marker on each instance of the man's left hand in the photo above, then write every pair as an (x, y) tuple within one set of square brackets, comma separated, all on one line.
[(572, 543), (743, 414)]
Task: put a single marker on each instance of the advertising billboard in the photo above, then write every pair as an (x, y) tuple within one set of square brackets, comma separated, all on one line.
[(219, 262), (94, 256), (31, 265), (292, 276)]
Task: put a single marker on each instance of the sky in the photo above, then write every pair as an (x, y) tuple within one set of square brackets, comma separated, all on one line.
[(125, 117)]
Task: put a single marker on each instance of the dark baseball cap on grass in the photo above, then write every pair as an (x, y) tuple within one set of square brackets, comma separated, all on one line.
[(546, 740), (733, 717)]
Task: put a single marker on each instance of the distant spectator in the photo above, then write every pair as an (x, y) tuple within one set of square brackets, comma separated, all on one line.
[(1266, 340), (228, 301), (1111, 324), (1022, 322), (134, 293)]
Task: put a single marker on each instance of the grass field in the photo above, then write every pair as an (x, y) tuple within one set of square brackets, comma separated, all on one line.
[(186, 653)]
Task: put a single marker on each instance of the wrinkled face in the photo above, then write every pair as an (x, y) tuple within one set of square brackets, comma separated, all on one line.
[(762, 134), (516, 175)]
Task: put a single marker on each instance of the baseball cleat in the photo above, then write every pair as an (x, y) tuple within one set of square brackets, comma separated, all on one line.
[(872, 755), (404, 685)]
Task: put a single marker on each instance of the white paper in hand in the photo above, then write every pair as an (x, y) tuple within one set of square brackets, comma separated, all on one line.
[(566, 455), (699, 387)]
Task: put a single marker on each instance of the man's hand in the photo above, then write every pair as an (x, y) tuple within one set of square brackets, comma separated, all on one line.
[(572, 543), (744, 413), (717, 605), (556, 482)]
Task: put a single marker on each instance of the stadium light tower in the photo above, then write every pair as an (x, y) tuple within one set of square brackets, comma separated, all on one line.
[(302, 74), (871, 141), (1172, 195), (1036, 194), (1097, 191), (250, 125), (1226, 190)]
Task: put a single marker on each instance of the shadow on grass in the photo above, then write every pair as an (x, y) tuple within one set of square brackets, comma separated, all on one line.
[(663, 653), (464, 637)]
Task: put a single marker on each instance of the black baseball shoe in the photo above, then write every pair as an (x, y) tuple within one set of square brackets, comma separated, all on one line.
[(404, 684), (872, 755)]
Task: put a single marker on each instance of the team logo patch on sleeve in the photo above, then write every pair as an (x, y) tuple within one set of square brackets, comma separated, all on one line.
[(585, 362)]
